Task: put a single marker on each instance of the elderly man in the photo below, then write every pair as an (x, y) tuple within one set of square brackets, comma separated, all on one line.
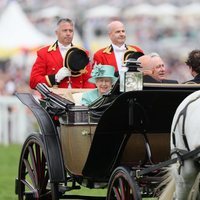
[(154, 69), (113, 54)]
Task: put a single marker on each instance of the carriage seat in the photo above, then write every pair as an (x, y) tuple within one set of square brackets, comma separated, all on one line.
[(76, 132), (73, 95)]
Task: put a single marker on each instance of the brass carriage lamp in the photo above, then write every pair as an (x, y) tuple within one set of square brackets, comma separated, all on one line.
[(133, 78)]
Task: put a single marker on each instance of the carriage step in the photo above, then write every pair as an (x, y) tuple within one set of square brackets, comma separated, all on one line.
[(82, 197), (16, 186), (63, 188)]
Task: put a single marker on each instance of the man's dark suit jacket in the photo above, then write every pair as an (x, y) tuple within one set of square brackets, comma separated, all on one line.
[(195, 80), (150, 79)]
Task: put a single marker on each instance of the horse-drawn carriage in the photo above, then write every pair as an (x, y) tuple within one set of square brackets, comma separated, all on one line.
[(119, 143)]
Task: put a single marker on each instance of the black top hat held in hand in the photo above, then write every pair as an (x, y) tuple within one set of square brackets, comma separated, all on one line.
[(76, 59)]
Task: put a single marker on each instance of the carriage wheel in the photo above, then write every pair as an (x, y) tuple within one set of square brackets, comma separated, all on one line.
[(33, 175), (122, 186)]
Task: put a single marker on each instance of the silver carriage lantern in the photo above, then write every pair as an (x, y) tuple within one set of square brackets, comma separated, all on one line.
[(133, 78)]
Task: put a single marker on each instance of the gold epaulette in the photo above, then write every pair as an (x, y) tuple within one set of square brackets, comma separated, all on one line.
[(108, 49), (131, 48), (53, 47)]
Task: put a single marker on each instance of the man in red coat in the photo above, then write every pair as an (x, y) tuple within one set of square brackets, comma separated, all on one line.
[(113, 54), (49, 65)]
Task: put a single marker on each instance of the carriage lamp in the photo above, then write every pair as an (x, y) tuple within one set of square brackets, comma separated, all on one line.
[(121, 77), (133, 78)]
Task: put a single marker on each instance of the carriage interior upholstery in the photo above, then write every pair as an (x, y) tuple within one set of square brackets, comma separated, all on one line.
[(73, 95)]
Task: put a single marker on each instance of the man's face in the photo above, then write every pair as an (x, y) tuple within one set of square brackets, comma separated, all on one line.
[(158, 68), (65, 33), (117, 34), (145, 64)]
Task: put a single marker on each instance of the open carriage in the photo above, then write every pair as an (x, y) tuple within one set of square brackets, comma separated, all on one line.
[(116, 143)]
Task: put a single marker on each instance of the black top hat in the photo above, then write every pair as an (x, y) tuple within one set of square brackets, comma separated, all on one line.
[(76, 59), (130, 54)]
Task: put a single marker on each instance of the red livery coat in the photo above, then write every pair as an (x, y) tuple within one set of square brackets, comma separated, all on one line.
[(49, 60), (106, 56)]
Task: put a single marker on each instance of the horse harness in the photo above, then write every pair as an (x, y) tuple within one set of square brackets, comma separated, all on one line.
[(181, 154), (177, 151)]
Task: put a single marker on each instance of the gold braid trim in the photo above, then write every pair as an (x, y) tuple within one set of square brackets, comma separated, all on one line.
[(108, 49), (131, 48), (53, 47), (48, 81)]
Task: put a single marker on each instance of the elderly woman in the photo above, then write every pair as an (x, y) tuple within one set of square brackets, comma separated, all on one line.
[(103, 77)]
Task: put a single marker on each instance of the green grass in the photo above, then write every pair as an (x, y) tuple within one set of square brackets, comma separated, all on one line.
[(9, 159)]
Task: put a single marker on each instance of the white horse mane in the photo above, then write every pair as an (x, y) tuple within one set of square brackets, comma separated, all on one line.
[(183, 183)]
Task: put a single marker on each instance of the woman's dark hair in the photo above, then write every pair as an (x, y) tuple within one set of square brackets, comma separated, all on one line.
[(193, 60)]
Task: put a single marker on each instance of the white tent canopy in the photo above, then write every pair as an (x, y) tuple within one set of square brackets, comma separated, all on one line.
[(192, 9), (54, 11), (145, 9), (141, 9), (166, 9), (17, 31), (102, 11)]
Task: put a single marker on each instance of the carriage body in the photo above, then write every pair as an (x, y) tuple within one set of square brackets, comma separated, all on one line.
[(95, 146)]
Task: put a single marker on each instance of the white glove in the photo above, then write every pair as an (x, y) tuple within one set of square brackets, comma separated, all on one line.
[(61, 74)]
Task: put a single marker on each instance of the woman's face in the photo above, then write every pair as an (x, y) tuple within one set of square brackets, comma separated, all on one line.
[(103, 85)]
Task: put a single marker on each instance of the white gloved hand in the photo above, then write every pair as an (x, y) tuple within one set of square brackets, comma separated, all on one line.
[(62, 73)]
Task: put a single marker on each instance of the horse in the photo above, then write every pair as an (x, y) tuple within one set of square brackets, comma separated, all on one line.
[(182, 178)]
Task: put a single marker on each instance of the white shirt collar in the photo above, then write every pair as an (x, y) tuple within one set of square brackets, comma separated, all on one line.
[(63, 49), (61, 46), (116, 48), (119, 52)]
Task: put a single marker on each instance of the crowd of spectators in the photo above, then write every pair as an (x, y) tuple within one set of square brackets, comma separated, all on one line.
[(12, 79)]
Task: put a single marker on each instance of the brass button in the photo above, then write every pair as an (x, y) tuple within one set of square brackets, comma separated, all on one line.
[(85, 132)]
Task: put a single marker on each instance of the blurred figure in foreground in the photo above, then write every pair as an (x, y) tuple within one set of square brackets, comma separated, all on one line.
[(193, 62), (49, 68)]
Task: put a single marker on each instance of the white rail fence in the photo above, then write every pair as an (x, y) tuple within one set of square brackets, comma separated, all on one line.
[(16, 121)]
